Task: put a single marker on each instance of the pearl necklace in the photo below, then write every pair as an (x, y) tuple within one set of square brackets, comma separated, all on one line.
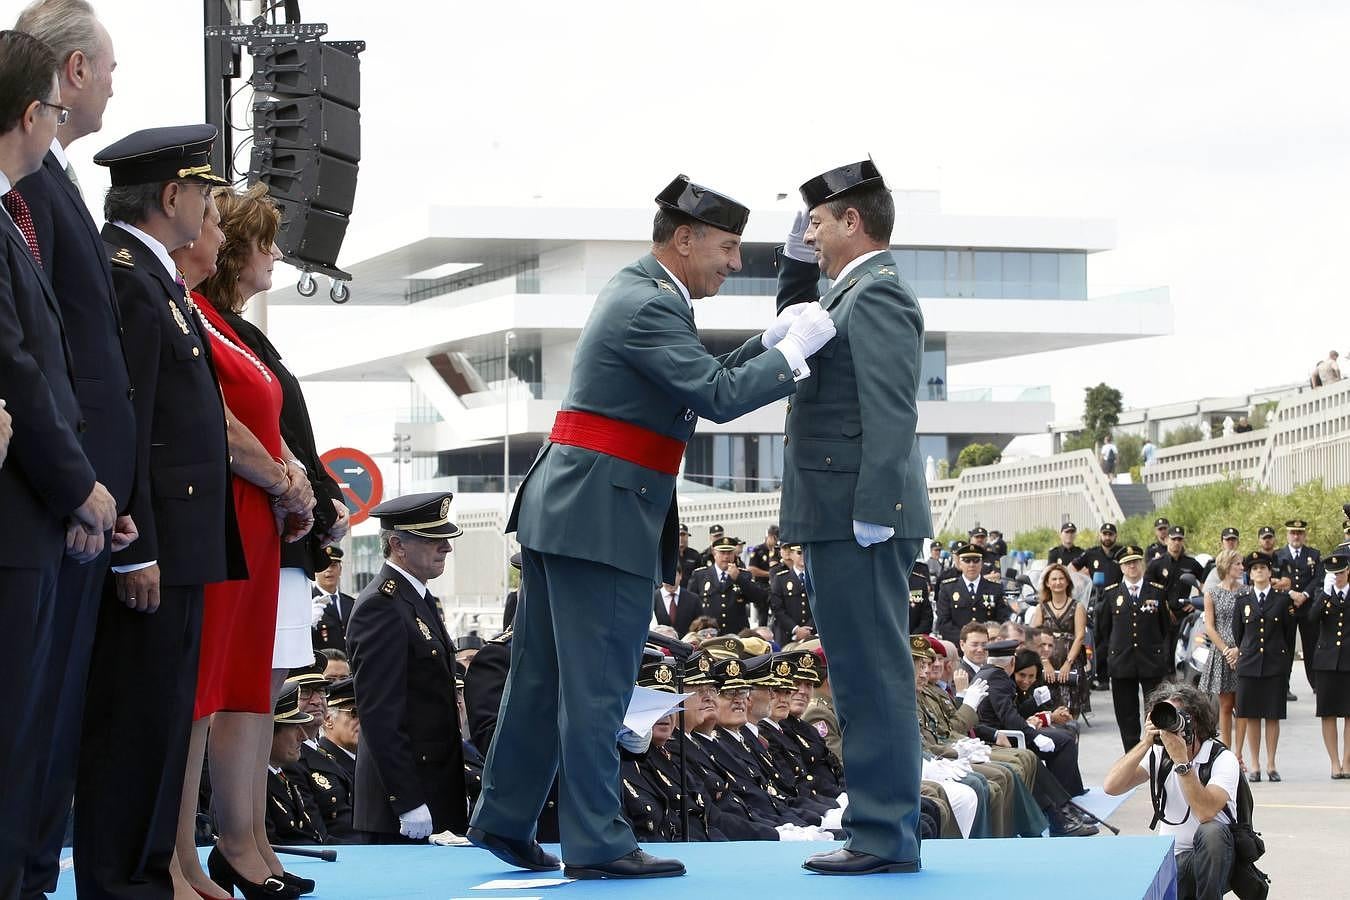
[(206, 323)]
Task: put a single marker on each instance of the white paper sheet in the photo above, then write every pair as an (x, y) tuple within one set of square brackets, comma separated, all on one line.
[(648, 707)]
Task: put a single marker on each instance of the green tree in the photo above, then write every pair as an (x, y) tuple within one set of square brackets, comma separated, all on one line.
[(1077, 440), (1261, 415), (976, 455), (1183, 434), (1130, 451), (1101, 410)]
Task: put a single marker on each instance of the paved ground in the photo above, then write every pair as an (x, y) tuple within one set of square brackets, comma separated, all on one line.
[(1304, 819)]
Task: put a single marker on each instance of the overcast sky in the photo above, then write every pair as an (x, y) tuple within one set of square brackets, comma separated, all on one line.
[(1216, 134)]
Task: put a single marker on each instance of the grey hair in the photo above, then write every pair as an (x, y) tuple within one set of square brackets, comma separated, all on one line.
[(64, 25), (1197, 704), (133, 203), (385, 535)]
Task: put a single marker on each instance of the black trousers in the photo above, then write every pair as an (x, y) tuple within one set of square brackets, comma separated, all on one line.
[(26, 600), (61, 694), (138, 715), (1125, 694)]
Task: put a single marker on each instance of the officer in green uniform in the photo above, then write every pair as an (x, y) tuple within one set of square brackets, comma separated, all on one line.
[(854, 494), (596, 522)]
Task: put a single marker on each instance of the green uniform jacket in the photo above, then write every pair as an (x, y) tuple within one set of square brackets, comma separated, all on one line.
[(639, 360), (851, 451)]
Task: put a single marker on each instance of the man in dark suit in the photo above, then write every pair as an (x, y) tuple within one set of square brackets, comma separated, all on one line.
[(332, 607), (149, 628), (1164, 573), (410, 771), (74, 258), (725, 590), (1133, 623), (685, 605), (789, 600), (854, 495), (1301, 568), (968, 597), (291, 817), (596, 521), (49, 491)]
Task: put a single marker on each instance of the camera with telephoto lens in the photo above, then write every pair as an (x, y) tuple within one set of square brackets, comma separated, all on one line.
[(1166, 717)]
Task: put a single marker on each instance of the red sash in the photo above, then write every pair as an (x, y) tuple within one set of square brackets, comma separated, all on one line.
[(622, 440)]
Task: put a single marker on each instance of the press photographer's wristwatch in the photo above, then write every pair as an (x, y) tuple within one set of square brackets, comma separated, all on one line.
[(1183, 768)]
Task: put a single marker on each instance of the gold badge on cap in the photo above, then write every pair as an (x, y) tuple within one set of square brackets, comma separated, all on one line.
[(808, 661), (704, 664), (733, 668), (664, 674), (783, 670), (422, 627), (445, 508)]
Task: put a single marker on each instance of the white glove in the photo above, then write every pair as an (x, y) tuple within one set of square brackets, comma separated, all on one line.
[(796, 247), (1044, 744), (634, 742), (812, 329), (867, 534), (774, 333), (975, 694), (316, 608), (1041, 695), (415, 823)]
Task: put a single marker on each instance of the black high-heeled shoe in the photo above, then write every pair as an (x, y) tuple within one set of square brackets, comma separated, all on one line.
[(224, 874), (303, 885)]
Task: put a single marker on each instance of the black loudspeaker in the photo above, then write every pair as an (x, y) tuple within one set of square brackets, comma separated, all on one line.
[(309, 234), (309, 123), (324, 181), (307, 68)]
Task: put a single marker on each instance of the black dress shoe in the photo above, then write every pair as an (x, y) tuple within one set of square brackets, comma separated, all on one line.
[(224, 874), (851, 862), (521, 854), (303, 885), (638, 864)]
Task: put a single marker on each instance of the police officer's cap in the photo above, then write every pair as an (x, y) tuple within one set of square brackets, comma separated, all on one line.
[(805, 665), (287, 709), (969, 551), (659, 676), (471, 641), (1336, 562), (792, 545), (729, 674), (1108, 528), (715, 530), (725, 543), (159, 155), (840, 181), (698, 669), (334, 554), (724, 646), (704, 205), (1003, 648), (1161, 522), (1130, 554), (978, 531), (342, 694), (919, 648), (684, 529), (1266, 531), (784, 671), (1296, 525), (516, 560), (310, 675), (1068, 527), (1257, 558), (1176, 531), (425, 515), (1228, 533), (759, 670)]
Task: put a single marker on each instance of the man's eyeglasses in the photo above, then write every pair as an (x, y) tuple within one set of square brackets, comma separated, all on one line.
[(62, 112)]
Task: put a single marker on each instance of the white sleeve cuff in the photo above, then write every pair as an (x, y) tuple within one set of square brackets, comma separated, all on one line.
[(796, 362), (122, 570)]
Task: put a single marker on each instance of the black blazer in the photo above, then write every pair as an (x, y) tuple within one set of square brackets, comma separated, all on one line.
[(1305, 574), (1327, 614), (344, 760), (405, 689), (46, 475), (687, 609), (1135, 632), (298, 433), (331, 629), (789, 604), (75, 261), (956, 607), (1264, 634), (182, 502), (998, 710)]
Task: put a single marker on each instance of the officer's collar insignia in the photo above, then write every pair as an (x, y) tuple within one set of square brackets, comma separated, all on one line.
[(178, 317), (123, 258), (852, 281), (422, 627), (665, 285), (322, 781), (389, 588), (885, 270)]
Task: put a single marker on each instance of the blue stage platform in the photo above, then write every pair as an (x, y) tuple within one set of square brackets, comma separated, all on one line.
[(1103, 868)]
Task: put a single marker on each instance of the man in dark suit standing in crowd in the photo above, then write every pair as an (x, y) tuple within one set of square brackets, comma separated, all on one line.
[(332, 607), (1301, 567), (149, 629), (789, 600), (49, 492), (74, 259), (854, 494), (676, 607), (725, 590)]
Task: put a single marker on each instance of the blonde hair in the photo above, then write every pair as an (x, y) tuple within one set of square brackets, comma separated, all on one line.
[(249, 221), (1224, 561)]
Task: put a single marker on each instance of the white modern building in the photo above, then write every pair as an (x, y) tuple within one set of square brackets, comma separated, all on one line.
[(481, 318)]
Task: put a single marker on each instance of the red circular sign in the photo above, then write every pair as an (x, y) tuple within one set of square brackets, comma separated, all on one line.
[(359, 478)]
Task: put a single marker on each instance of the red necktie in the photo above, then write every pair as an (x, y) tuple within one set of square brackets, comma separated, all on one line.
[(672, 609), (18, 211)]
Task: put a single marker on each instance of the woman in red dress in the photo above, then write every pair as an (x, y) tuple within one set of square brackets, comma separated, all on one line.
[(234, 679)]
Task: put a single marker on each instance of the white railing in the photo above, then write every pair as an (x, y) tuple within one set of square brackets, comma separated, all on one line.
[(1026, 494)]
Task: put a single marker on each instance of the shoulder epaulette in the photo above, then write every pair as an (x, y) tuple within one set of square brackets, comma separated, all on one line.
[(950, 580), (1161, 587), (122, 257), (503, 638), (389, 588), (1111, 586), (700, 569)]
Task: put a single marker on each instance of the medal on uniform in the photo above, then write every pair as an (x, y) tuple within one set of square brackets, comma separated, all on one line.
[(178, 317), (1120, 601), (422, 626), (322, 781)]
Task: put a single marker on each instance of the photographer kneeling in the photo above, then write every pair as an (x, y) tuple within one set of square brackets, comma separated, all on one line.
[(1196, 812)]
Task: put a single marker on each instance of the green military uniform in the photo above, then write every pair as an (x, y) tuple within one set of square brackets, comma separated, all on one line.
[(821, 716), (597, 531), (851, 455)]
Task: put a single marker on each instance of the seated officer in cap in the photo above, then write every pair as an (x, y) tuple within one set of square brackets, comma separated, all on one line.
[(326, 771), (597, 525), (342, 728), (790, 750), (725, 589), (783, 770), (969, 596), (788, 602), (647, 801), (289, 818), (410, 771), (822, 765), (183, 507), (332, 607)]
